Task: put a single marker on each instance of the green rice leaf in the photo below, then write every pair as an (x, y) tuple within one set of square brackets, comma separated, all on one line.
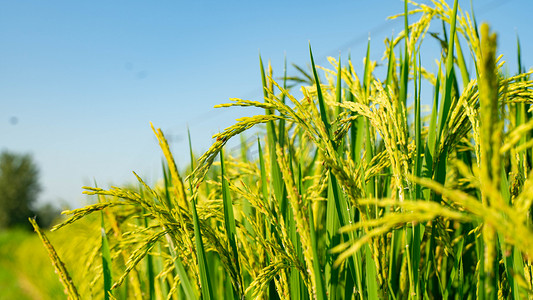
[(106, 260), (321, 103), (231, 231)]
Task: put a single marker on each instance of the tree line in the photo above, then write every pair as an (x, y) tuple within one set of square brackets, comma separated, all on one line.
[(19, 191)]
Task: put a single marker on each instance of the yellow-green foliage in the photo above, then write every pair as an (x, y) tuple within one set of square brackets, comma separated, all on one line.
[(25, 270), (355, 193), (26, 262)]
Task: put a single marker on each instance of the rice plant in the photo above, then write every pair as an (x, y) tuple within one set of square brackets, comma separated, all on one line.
[(355, 194)]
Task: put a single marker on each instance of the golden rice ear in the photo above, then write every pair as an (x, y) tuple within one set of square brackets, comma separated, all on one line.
[(59, 266)]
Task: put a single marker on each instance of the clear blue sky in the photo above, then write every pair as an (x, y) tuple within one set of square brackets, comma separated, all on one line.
[(81, 80)]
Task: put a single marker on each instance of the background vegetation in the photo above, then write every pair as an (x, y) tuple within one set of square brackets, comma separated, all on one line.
[(19, 187), (19, 190)]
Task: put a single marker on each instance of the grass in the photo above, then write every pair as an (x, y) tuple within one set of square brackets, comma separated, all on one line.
[(355, 194), (25, 270), (14, 283)]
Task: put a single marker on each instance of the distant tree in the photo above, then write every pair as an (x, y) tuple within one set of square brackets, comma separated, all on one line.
[(19, 187), (47, 215)]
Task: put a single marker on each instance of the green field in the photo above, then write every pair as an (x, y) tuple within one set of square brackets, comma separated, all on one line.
[(25, 270), (355, 193)]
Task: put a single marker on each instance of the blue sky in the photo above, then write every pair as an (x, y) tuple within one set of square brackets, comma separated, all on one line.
[(80, 81)]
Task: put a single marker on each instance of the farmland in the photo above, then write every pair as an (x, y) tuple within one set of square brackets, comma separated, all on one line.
[(357, 192)]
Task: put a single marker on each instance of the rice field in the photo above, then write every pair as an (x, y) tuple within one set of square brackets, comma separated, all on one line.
[(355, 193)]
